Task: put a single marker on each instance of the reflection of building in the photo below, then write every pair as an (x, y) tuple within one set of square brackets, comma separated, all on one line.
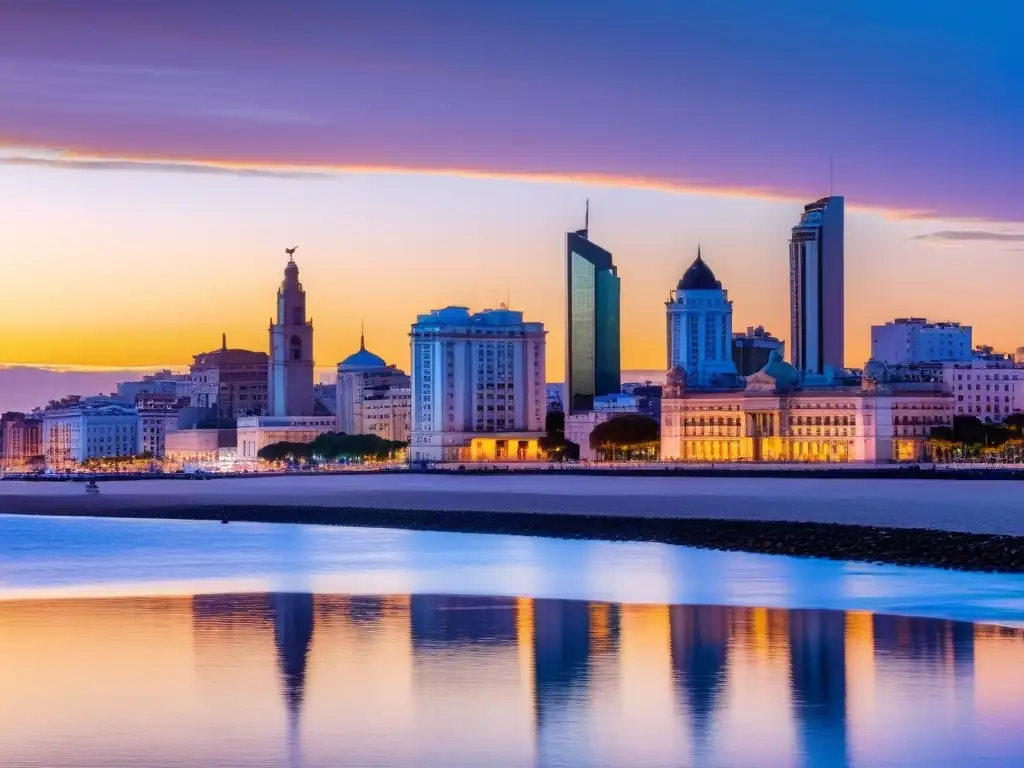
[(291, 350), (561, 653), (234, 381), (818, 675), (937, 642), (781, 414), (592, 361), (478, 386), (374, 398), (699, 319), (93, 427), (915, 340), (751, 350), (700, 637), (448, 621), (816, 287)]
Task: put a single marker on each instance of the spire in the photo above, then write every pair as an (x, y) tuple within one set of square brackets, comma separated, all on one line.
[(586, 217), (224, 342), (698, 251), (362, 336)]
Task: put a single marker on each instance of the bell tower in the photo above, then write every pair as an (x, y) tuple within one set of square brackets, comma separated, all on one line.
[(291, 348)]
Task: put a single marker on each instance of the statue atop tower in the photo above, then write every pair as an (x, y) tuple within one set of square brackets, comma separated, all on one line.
[(291, 348)]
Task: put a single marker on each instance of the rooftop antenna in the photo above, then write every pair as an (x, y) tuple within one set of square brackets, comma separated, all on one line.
[(586, 218), (291, 252), (831, 186), (362, 335), (224, 341)]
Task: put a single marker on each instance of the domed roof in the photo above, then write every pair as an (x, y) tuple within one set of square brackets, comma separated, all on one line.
[(699, 277), (785, 375), (364, 358)]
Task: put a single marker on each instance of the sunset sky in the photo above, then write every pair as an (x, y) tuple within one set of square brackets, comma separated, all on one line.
[(156, 159)]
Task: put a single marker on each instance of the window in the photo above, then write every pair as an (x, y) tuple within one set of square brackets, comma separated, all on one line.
[(296, 348)]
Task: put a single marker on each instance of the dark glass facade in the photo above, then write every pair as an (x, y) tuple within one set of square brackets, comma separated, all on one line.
[(592, 361)]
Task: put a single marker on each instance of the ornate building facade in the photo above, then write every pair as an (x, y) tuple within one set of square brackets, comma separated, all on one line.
[(781, 415), (291, 349), (699, 327)]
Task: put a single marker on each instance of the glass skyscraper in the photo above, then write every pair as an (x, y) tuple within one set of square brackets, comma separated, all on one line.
[(816, 287), (592, 364)]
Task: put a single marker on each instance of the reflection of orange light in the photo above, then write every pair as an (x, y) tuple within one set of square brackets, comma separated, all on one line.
[(762, 639), (860, 657), (600, 627)]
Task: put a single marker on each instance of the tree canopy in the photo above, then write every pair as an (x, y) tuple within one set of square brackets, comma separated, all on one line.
[(969, 437), (333, 446), (630, 435)]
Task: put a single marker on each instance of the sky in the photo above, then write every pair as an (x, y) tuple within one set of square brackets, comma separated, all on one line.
[(157, 158)]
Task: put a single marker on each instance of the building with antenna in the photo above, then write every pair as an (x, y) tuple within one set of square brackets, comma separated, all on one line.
[(592, 356), (233, 382), (373, 398), (816, 257)]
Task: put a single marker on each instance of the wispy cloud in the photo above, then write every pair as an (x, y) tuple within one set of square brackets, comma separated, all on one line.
[(72, 163), (973, 235)]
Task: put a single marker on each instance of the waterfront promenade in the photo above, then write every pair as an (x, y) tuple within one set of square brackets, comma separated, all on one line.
[(985, 507)]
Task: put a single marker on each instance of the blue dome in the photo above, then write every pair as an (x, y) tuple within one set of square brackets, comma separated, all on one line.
[(699, 277), (364, 358)]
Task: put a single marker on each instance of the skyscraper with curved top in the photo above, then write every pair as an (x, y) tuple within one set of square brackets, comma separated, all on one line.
[(592, 361), (816, 287)]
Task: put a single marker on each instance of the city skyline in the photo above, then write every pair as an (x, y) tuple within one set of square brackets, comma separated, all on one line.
[(151, 177)]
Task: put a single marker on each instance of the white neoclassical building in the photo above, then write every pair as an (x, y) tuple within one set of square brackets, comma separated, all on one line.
[(478, 386), (92, 427), (699, 327), (779, 414)]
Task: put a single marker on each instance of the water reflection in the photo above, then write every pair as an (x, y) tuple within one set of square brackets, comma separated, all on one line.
[(297, 679)]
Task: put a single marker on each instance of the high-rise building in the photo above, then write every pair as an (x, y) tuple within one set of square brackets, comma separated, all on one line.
[(21, 437), (233, 381), (699, 319), (908, 340), (816, 287), (592, 360), (478, 386), (291, 349), (751, 350), (373, 397)]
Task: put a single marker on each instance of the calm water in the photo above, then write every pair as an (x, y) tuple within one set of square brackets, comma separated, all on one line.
[(127, 643)]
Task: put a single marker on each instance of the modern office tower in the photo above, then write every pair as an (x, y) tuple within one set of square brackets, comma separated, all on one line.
[(699, 319), (291, 349), (915, 340), (478, 386), (751, 350), (816, 287), (592, 362)]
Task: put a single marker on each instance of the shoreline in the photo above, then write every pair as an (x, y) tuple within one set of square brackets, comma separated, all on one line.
[(950, 550)]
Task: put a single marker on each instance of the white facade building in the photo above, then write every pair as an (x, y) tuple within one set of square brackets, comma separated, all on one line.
[(908, 340), (699, 318), (478, 386), (989, 389), (94, 427), (256, 432), (373, 397), (779, 415)]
